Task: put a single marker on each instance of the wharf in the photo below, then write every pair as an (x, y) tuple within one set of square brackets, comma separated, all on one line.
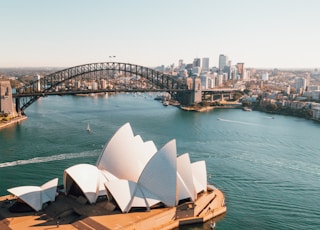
[(12, 121), (68, 213)]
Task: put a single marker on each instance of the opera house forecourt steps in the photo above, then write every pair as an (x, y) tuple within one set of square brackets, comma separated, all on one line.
[(132, 186)]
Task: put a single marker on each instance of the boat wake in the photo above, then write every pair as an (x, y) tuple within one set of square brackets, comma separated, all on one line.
[(59, 157), (239, 122)]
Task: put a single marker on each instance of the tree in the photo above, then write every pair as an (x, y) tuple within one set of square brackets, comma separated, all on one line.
[(272, 107), (237, 96)]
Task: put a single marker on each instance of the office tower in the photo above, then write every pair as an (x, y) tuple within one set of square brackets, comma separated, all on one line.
[(180, 64), (223, 59), (205, 64), (197, 62), (240, 68), (301, 84), (36, 79)]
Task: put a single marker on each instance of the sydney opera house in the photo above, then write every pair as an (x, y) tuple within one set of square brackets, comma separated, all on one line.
[(130, 176)]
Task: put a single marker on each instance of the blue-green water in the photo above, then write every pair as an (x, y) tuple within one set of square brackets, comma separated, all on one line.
[(268, 169)]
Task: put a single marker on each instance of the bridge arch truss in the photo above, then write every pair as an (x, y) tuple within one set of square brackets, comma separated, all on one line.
[(102, 77)]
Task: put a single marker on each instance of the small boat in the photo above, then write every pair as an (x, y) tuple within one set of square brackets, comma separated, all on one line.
[(88, 128), (247, 109), (165, 103), (213, 225)]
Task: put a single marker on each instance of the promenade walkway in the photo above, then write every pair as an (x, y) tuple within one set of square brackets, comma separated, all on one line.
[(5, 124)]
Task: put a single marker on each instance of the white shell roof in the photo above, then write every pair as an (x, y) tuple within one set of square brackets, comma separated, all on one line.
[(31, 195), (199, 172), (36, 196), (185, 185), (123, 145), (160, 174), (137, 175), (48, 190), (129, 194), (87, 177)]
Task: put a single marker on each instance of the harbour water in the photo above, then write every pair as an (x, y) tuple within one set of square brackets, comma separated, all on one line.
[(267, 166)]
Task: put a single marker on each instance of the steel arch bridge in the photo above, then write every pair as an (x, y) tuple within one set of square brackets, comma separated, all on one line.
[(97, 78)]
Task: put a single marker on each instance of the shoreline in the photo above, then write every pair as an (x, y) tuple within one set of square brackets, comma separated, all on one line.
[(208, 108), (12, 121)]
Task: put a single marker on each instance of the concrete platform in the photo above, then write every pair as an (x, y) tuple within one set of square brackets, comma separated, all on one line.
[(71, 213)]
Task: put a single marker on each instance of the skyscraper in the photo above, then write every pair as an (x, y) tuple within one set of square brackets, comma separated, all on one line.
[(180, 65), (223, 59), (197, 62), (205, 64), (240, 68), (301, 85)]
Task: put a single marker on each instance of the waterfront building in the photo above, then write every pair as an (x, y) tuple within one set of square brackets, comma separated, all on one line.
[(316, 113), (103, 84), (205, 64), (94, 85), (7, 105)]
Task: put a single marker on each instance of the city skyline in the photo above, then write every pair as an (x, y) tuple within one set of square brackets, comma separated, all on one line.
[(272, 34)]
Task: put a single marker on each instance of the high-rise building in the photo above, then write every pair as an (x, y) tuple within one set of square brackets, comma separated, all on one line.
[(180, 64), (301, 85), (240, 68), (197, 62), (37, 82), (205, 64), (233, 73), (223, 59)]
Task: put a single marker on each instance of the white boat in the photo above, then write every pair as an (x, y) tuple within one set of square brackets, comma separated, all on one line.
[(165, 103), (247, 109), (213, 225), (88, 128)]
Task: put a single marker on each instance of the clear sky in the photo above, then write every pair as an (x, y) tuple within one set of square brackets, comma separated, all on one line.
[(65, 33)]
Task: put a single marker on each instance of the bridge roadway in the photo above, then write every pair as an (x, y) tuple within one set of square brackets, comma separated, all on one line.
[(124, 90), (73, 92)]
